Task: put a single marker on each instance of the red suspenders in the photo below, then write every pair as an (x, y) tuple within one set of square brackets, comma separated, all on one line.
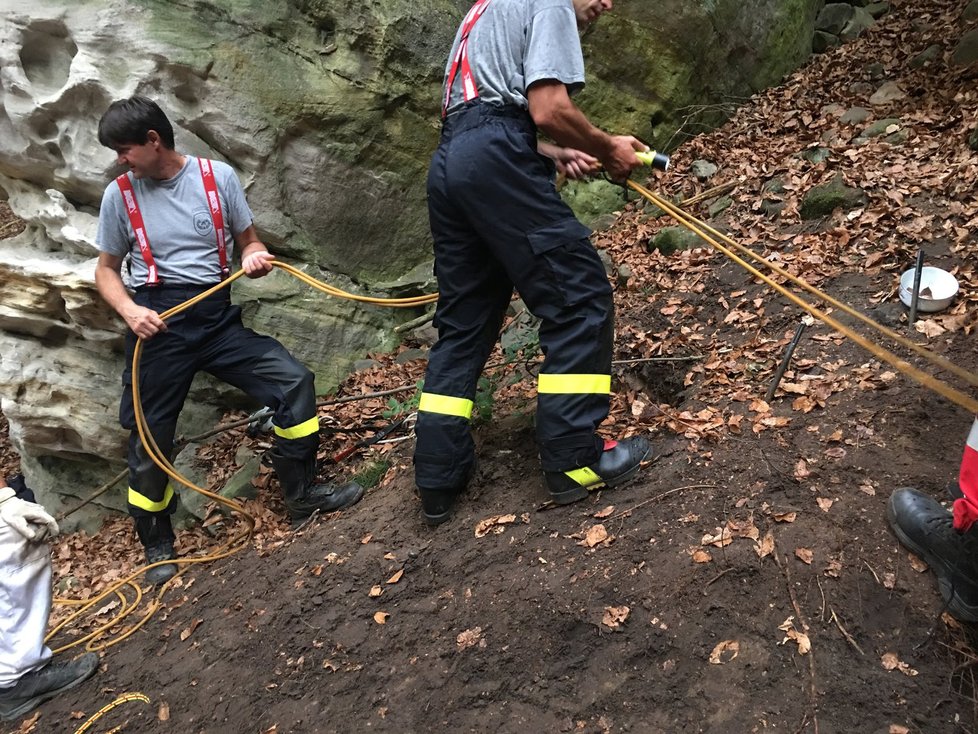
[(136, 220), (461, 59)]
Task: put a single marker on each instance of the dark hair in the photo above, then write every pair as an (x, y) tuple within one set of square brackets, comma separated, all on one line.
[(128, 122)]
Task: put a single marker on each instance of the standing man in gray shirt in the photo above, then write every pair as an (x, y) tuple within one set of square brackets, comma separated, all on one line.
[(178, 218), (497, 222)]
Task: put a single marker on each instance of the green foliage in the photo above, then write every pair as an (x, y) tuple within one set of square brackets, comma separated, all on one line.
[(371, 473), (484, 399), (396, 408)]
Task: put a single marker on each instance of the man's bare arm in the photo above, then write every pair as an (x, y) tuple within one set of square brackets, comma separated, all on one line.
[(256, 260), (144, 322), (556, 115)]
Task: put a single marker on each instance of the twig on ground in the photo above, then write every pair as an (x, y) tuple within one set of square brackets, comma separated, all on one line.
[(812, 689), (821, 615), (717, 578), (630, 510), (873, 571), (846, 634)]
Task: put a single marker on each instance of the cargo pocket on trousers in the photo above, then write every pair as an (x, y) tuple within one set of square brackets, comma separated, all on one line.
[(568, 259)]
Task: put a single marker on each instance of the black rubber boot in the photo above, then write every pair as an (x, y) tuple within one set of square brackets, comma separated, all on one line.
[(618, 464), (302, 496), (437, 504), (156, 534), (925, 527), (38, 686)]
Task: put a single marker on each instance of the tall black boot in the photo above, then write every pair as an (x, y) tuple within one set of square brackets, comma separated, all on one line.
[(156, 534), (302, 496), (925, 527)]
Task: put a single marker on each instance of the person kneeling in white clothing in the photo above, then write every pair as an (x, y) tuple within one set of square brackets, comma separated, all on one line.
[(28, 677)]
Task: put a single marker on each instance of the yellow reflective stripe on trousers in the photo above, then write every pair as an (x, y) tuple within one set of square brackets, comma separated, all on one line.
[(306, 428), (145, 503), (585, 476), (446, 405), (574, 384)]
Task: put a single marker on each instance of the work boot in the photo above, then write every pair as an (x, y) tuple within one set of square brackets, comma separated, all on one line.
[(156, 534), (302, 496), (437, 504), (38, 686), (162, 551), (925, 527), (617, 465)]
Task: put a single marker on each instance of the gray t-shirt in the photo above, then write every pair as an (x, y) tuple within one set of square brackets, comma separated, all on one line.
[(516, 43), (178, 224)]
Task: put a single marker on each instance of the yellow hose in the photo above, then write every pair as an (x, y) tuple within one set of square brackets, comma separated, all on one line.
[(710, 235), (238, 540)]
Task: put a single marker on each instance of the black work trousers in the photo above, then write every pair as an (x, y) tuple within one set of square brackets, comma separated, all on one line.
[(208, 337), (497, 222)]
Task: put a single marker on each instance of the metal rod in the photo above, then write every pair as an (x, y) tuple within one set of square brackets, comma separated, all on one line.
[(915, 294), (784, 363)]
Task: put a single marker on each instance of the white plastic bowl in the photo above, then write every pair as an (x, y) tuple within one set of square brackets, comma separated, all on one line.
[(937, 289)]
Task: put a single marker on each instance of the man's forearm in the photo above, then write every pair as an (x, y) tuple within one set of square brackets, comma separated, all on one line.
[(558, 117), (112, 289)]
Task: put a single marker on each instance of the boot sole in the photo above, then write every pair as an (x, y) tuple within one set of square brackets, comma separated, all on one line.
[(955, 606), (34, 702), (433, 520), (575, 494)]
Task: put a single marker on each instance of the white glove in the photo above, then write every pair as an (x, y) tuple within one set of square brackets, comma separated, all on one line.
[(27, 518)]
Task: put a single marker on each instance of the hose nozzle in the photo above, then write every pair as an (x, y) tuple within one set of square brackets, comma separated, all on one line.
[(654, 159)]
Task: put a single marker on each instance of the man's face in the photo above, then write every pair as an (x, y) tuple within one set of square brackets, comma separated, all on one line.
[(142, 160), (587, 11)]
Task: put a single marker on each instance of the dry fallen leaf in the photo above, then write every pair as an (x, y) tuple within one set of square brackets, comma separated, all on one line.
[(701, 556), (469, 637), (801, 469), (766, 546), (396, 577), (595, 535), (495, 524), (898, 729), (28, 725), (376, 591), (824, 503), (805, 555), (721, 538), (190, 630), (601, 514), (381, 617), (614, 616), (916, 563), (800, 638), (889, 580), (731, 647), (164, 713), (785, 516), (892, 662)]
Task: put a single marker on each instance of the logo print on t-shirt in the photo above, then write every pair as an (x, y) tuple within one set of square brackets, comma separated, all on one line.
[(203, 222)]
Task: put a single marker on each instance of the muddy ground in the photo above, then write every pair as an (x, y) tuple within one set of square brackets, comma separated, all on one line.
[(745, 582)]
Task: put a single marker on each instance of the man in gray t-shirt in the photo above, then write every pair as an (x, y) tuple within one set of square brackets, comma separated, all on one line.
[(498, 222), (177, 218)]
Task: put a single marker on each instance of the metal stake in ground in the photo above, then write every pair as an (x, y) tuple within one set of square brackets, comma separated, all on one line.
[(784, 363), (915, 294)]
